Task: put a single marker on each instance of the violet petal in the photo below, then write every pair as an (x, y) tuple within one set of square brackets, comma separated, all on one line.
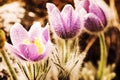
[(35, 31), (45, 35), (86, 4), (93, 23), (18, 34), (29, 51), (50, 7), (68, 17), (15, 51), (75, 29), (57, 23), (105, 8), (94, 8)]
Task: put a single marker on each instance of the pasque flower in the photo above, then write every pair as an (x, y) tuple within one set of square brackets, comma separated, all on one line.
[(66, 24), (32, 45), (95, 18)]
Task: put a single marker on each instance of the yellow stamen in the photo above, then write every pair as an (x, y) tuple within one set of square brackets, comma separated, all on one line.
[(37, 43), (39, 46)]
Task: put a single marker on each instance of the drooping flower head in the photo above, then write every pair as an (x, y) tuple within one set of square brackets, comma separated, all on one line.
[(66, 24), (32, 45), (95, 18)]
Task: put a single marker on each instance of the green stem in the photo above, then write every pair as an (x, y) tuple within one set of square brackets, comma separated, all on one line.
[(103, 56), (31, 70), (4, 55), (34, 71), (66, 51)]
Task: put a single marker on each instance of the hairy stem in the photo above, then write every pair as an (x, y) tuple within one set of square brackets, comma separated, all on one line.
[(6, 60), (66, 49), (103, 56)]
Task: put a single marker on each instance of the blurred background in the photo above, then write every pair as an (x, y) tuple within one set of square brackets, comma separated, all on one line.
[(27, 12)]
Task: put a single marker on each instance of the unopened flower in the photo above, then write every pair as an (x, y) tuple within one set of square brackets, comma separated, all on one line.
[(2, 39), (66, 24), (95, 18), (30, 45)]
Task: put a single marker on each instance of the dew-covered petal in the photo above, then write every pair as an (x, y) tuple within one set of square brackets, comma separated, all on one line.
[(35, 31), (18, 34), (93, 23), (13, 50), (29, 51)]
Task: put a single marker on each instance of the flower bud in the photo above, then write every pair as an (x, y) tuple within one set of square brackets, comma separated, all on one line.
[(2, 39)]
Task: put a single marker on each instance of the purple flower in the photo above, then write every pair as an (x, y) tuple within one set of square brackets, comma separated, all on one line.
[(95, 18), (32, 45), (66, 24)]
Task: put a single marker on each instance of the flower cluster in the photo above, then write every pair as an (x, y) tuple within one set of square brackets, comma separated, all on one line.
[(34, 45)]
